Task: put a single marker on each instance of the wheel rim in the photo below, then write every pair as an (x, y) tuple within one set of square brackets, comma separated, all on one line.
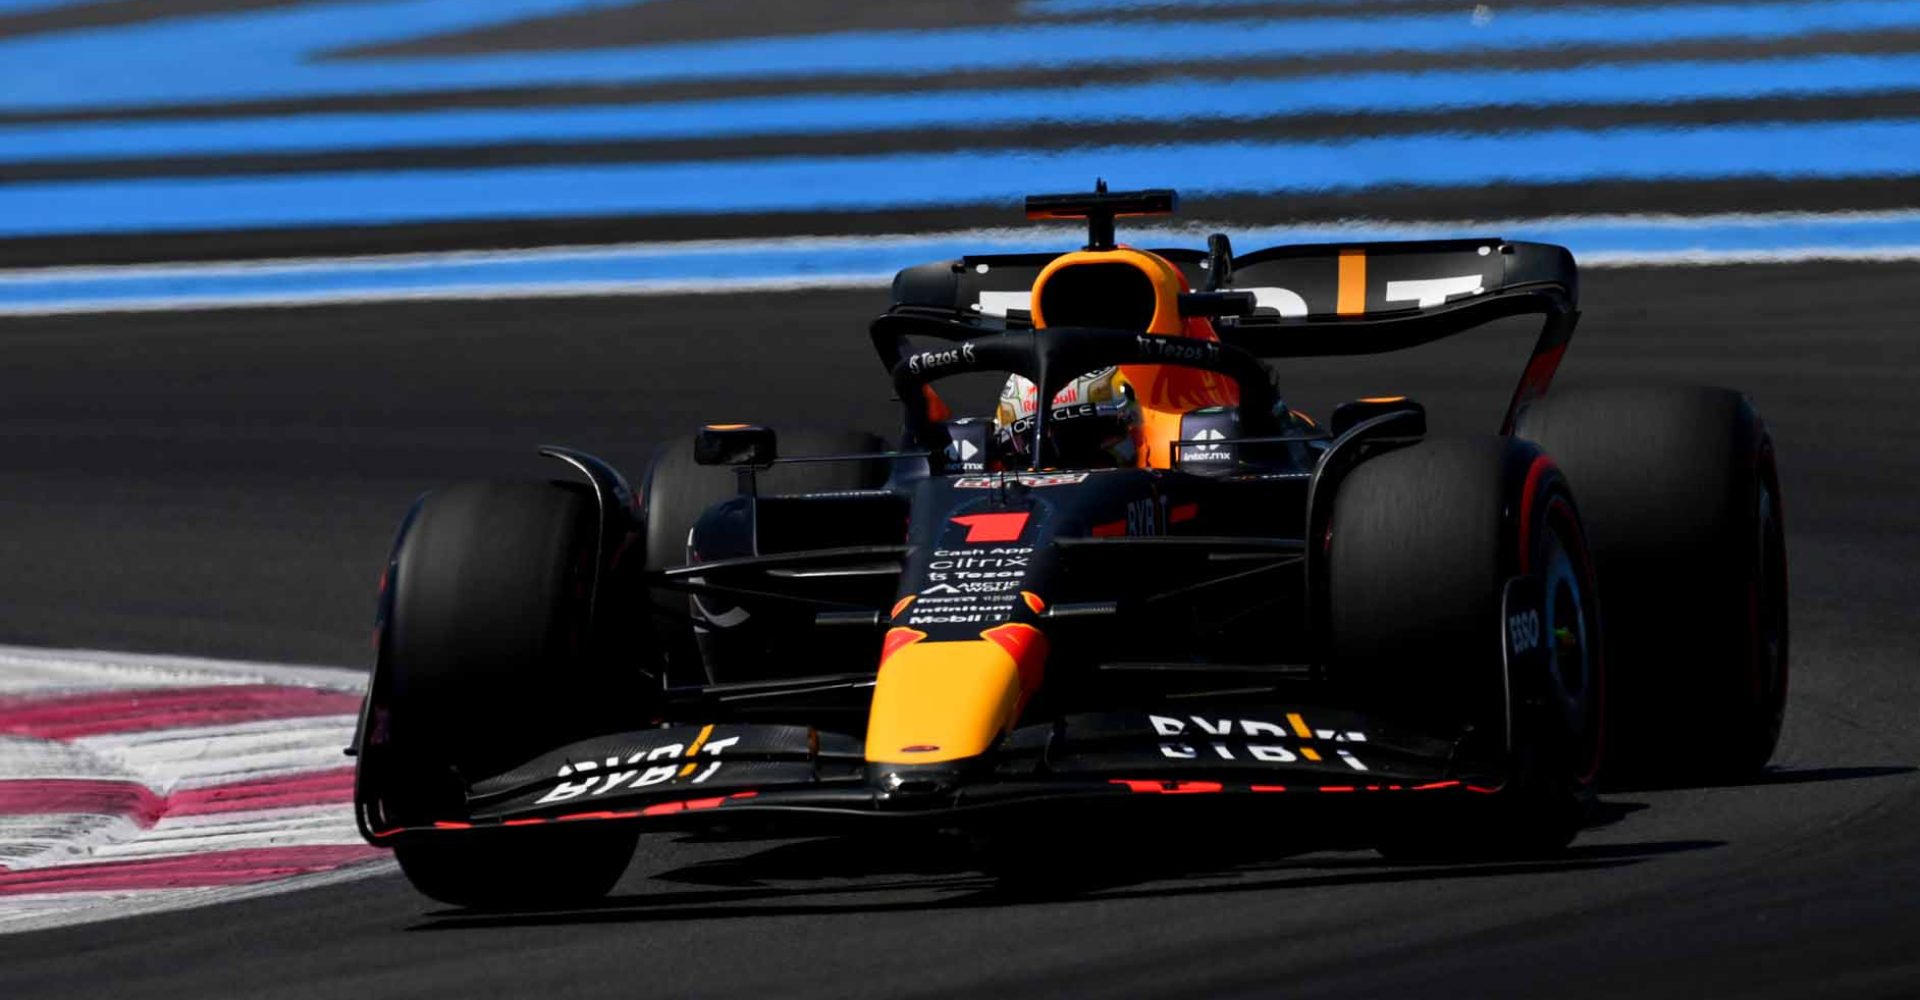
[(1575, 682)]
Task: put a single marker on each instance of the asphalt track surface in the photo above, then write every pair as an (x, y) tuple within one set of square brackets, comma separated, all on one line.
[(226, 484)]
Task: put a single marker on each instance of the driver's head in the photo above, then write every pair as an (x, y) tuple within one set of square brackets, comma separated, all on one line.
[(1094, 421)]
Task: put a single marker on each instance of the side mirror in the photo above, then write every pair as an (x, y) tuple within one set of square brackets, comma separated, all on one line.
[(1214, 305), (1219, 262), (735, 444)]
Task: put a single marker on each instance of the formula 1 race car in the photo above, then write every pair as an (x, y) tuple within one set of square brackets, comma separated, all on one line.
[(1142, 584)]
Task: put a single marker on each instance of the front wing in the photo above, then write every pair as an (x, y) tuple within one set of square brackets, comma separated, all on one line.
[(693, 775)]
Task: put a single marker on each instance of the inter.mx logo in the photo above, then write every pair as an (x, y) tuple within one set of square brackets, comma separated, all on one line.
[(1209, 452)]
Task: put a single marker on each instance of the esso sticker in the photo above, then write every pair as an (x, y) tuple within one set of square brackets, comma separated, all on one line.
[(1523, 631)]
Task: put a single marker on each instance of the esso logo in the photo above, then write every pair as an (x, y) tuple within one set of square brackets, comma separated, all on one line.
[(1523, 631)]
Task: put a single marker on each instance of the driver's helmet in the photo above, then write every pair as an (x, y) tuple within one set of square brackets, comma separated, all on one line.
[(1094, 421)]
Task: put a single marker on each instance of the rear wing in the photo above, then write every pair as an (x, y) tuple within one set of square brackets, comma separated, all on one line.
[(1314, 299)]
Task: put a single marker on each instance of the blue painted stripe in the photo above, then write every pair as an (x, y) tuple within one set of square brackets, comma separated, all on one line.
[(272, 53), (30, 6), (1047, 8), (732, 263), (1179, 100), (1825, 150)]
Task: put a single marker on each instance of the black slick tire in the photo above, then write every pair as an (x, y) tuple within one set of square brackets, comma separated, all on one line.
[(1681, 494), (485, 663), (1423, 542)]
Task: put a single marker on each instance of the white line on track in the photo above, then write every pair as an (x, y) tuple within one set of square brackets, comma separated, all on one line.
[(155, 816), (176, 759), (821, 262), (24, 668)]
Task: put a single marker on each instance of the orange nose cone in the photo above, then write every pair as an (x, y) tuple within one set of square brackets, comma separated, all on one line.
[(943, 701)]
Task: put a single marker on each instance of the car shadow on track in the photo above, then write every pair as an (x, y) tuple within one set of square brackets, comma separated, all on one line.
[(1774, 776), (896, 880)]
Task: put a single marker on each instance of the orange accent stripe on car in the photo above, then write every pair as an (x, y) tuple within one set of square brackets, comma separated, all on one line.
[(1153, 786), (1033, 601), (727, 427), (694, 748), (1383, 399), (897, 639), (1353, 283), (937, 409), (1299, 726), (900, 605), (1310, 753), (1028, 647), (686, 805)]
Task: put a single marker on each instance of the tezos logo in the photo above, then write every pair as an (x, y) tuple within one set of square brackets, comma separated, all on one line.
[(1178, 348), (927, 361)]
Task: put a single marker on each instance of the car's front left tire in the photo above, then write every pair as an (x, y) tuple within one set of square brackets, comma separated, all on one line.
[(486, 661), (1422, 543)]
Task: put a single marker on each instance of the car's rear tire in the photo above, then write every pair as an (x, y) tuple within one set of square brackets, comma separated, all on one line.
[(485, 663), (1423, 542), (678, 490), (1682, 500)]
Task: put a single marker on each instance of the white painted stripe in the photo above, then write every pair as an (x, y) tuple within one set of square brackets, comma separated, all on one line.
[(908, 244), (24, 757), (310, 826), (811, 262), (651, 289), (35, 840), (303, 816), (59, 839), (29, 668), (636, 289), (168, 760)]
